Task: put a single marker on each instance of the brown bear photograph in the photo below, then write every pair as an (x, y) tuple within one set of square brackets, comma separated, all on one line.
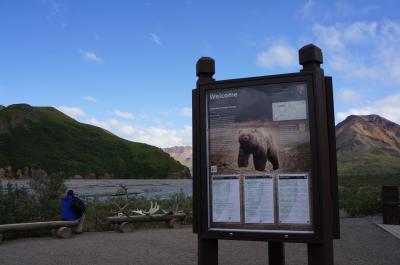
[(260, 146), (259, 129)]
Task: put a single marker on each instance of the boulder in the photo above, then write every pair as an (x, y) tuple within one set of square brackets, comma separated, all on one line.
[(18, 174), (3, 173), (26, 173), (38, 172), (90, 176), (9, 172)]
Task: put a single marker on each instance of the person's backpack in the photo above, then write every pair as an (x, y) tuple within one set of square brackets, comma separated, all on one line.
[(77, 207)]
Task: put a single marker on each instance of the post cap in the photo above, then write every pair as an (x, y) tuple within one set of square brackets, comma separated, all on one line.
[(310, 54), (205, 66)]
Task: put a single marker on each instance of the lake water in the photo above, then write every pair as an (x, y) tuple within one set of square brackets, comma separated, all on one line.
[(104, 188)]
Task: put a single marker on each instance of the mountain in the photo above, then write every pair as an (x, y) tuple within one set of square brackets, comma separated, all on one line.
[(43, 138), (183, 154), (368, 145)]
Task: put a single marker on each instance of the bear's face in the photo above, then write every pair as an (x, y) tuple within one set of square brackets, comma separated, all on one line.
[(247, 139)]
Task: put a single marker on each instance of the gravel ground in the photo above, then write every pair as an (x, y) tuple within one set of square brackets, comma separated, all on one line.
[(362, 242)]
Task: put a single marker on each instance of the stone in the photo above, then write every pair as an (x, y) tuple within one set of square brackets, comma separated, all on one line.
[(77, 177), (90, 176), (126, 227), (3, 173), (9, 172), (174, 223), (26, 173), (38, 172), (18, 174), (64, 232)]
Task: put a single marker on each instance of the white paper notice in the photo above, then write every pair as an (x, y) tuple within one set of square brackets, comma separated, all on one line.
[(225, 199), (259, 199), (289, 110), (294, 205)]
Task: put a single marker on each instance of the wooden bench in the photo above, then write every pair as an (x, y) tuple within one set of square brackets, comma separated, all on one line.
[(62, 229), (126, 223)]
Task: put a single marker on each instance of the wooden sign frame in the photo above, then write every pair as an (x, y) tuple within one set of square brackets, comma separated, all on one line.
[(243, 234), (325, 210)]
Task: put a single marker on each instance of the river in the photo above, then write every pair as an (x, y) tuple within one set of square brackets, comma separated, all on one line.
[(105, 188)]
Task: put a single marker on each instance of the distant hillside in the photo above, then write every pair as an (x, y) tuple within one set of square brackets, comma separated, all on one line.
[(368, 145), (43, 138), (181, 153)]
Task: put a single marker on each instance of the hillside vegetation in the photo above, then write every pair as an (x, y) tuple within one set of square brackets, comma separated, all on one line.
[(45, 138), (368, 145)]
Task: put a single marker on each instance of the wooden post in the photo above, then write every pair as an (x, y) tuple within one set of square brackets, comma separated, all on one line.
[(207, 248), (391, 204), (310, 56), (276, 253)]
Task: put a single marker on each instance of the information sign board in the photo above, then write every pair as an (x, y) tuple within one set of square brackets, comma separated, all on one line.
[(259, 156)]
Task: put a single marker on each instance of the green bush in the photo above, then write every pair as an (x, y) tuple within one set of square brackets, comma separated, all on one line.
[(39, 203), (360, 201), (360, 195), (16, 205)]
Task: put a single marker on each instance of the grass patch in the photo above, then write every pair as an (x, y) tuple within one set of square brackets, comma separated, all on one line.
[(361, 195)]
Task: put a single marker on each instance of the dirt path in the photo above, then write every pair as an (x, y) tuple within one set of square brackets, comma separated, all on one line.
[(362, 243)]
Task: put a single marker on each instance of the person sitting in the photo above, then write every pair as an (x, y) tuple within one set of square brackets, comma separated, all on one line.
[(73, 209)]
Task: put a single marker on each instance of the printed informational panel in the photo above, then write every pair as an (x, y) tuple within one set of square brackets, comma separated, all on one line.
[(226, 199), (259, 158), (259, 199), (294, 199)]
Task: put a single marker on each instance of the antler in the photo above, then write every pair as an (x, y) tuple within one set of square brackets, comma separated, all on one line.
[(153, 209)]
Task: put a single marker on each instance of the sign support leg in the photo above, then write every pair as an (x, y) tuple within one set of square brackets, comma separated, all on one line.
[(320, 254), (276, 253), (207, 251)]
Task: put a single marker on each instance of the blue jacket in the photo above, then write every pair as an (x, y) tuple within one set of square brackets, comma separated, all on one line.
[(67, 214)]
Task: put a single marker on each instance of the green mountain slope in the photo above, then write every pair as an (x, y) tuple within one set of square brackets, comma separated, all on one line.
[(45, 138), (368, 145)]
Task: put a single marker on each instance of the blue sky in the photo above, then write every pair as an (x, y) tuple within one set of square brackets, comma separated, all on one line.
[(129, 66)]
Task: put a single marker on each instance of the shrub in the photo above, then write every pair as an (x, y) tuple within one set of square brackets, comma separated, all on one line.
[(360, 201)]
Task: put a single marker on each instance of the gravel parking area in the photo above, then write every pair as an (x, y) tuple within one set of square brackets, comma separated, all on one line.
[(362, 242)]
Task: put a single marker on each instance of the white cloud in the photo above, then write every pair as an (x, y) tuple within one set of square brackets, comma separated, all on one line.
[(89, 98), (107, 124), (123, 114), (348, 95), (306, 8), (329, 36), (91, 56), (279, 54), (368, 50), (359, 32), (387, 107), (185, 111), (163, 137), (158, 136), (352, 69), (155, 38), (73, 112)]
